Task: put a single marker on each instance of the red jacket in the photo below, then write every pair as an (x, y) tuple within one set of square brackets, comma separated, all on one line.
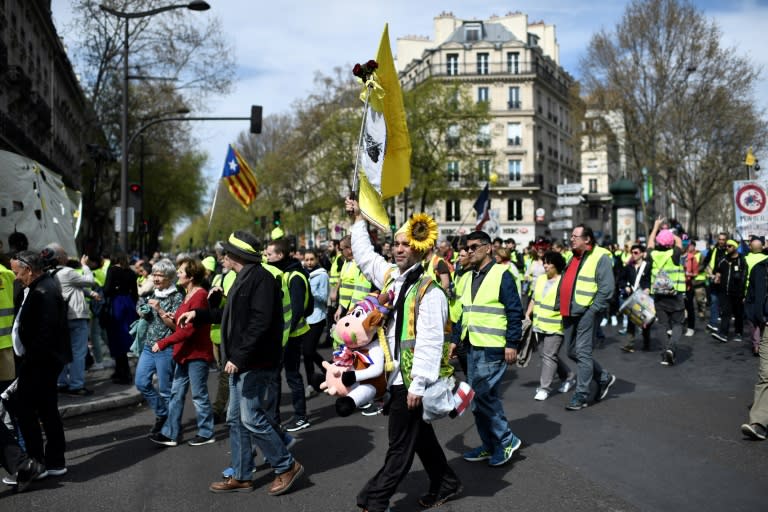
[(191, 342)]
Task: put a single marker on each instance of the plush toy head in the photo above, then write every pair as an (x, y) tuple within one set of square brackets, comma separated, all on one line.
[(358, 327)]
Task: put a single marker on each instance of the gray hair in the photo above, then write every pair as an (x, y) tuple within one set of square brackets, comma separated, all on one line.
[(58, 250), (31, 260), (165, 267)]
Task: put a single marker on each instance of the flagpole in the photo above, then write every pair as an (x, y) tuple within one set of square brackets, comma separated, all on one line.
[(462, 222), (355, 175), (213, 207)]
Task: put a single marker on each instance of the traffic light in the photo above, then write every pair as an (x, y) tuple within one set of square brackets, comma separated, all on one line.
[(255, 118), (392, 224), (135, 188), (276, 218)]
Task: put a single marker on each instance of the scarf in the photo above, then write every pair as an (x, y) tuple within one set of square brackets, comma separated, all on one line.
[(410, 278)]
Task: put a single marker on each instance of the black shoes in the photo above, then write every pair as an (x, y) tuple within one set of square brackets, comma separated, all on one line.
[(435, 499), (158, 426), (28, 471)]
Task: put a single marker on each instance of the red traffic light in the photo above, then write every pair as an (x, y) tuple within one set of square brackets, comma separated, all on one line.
[(135, 188)]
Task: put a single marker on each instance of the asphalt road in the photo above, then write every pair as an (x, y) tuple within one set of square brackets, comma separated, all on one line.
[(664, 439)]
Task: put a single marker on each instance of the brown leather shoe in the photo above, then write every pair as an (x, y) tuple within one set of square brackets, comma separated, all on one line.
[(231, 484), (284, 481)]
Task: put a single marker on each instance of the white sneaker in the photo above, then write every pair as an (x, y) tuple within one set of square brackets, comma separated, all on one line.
[(603, 322), (689, 332), (567, 385), (614, 321), (309, 392), (541, 394)]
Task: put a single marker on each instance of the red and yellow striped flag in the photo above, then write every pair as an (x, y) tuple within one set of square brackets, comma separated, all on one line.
[(240, 180)]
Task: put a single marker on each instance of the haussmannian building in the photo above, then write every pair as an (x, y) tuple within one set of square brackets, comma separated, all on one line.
[(530, 144), (43, 111)]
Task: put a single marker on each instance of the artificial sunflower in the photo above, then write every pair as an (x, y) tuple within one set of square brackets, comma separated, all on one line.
[(421, 232)]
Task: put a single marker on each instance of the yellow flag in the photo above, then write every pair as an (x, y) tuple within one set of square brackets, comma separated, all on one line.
[(396, 174), (396, 166)]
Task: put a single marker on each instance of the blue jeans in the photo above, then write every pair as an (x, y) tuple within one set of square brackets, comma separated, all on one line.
[(486, 367), (73, 374), (714, 307), (151, 363), (195, 374), (247, 419), (579, 335)]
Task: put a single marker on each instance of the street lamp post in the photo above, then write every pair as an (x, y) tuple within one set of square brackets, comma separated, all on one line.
[(196, 5)]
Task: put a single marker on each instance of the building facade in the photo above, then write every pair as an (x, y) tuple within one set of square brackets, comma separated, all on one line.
[(529, 146), (43, 111)]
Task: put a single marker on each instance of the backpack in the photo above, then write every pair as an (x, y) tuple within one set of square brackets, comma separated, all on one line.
[(663, 284)]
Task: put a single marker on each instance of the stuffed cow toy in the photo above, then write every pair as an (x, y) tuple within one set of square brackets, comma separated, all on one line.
[(357, 374)]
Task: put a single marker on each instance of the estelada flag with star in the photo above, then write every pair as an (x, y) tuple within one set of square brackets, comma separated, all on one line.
[(240, 180)]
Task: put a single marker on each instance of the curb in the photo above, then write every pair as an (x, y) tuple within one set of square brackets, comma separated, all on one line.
[(113, 401)]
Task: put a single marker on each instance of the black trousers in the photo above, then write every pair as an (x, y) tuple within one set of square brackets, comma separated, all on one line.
[(731, 305), (309, 350), (409, 435), (36, 401)]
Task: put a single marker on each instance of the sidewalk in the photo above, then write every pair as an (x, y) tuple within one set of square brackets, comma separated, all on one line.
[(106, 395)]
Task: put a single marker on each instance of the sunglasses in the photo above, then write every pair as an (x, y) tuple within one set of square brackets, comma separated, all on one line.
[(473, 247)]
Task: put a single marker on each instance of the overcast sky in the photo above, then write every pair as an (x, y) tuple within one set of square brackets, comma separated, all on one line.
[(280, 45)]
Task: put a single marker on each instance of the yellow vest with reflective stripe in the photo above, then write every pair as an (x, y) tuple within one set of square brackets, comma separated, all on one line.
[(546, 317), (483, 317), (662, 260), (335, 273), (586, 280), (6, 307), (354, 286), (286, 302), (301, 325)]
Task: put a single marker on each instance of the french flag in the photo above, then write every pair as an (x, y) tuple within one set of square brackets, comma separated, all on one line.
[(483, 208)]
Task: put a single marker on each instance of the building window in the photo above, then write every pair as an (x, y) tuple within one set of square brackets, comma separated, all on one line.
[(453, 64), (593, 185), (482, 94), (453, 171), (594, 212), (484, 136), (483, 170), (513, 63), (515, 168), (514, 134), (482, 63), (452, 136), (514, 209), (472, 33), (514, 98), (452, 212)]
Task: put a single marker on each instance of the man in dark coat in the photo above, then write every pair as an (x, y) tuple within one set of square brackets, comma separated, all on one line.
[(251, 341), (41, 344)]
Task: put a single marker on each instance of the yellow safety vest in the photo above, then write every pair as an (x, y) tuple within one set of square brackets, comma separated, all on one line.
[(662, 260), (701, 277), (407, 334), (483, 317), (225, 282), (286, 300), (335, 273), (546, 317), (301, 325), (459, 289), (354, 286), (6, 307), (586, 280), (752, 259)]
